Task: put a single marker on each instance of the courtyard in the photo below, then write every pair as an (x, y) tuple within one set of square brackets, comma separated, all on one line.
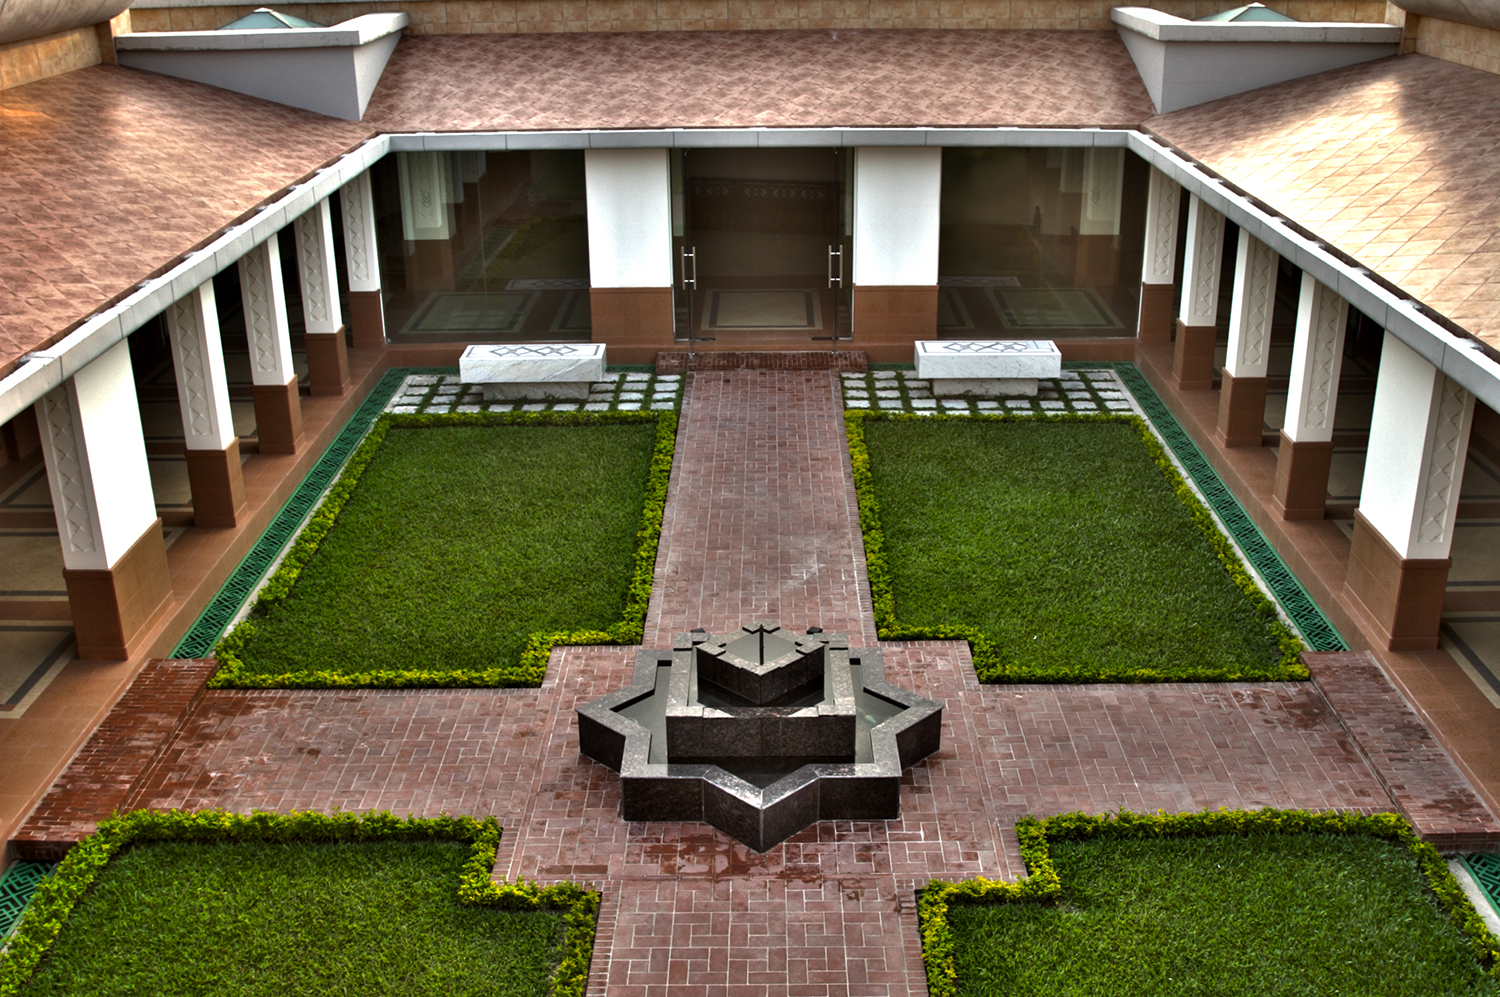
[(762, 522)]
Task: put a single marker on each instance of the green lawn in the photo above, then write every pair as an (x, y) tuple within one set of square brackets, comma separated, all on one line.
[(458, 543), (1292, 914), (1064, 543), (253, 918)]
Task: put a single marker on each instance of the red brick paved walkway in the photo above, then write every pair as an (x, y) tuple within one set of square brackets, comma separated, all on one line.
[(688, 912)]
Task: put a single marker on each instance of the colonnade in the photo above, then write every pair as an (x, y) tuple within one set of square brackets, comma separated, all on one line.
[(1419, 434), (114, 556)]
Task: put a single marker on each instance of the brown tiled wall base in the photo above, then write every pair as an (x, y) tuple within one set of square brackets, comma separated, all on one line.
[(889, 320), (1301, 488), (1242, 410), (636, 322), (1404, 596), (681, 362), (1407, 759), (1156, 319), (278, 417), (366, 320), (104, 776), (327, 363), (218, 485), (115, 609), (1193, 357)]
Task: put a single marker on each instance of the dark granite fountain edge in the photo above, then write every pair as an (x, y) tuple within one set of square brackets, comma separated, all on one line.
[(760, 818)]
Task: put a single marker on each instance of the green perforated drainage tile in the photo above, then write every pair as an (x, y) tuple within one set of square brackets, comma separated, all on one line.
[(17, 885), (1486, 872)]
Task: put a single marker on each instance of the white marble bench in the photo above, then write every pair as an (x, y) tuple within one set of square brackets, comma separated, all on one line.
[(987, 367), (535, 371)]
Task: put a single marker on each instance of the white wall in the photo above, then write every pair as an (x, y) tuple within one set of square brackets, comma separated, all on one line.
[(897, 198), (629, 194)]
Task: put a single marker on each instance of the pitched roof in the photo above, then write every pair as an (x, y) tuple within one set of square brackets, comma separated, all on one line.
[(744, 79), (109, 175), (1395, 162)]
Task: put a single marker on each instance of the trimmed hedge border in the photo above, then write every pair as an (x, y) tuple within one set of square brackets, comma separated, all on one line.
[(1043, 884), (532, 668), (56, 897), (982, 647)]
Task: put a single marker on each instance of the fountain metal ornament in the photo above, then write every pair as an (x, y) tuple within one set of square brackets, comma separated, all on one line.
[(760, 732)]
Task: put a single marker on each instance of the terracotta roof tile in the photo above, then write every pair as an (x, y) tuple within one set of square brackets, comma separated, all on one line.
[(107, 175), (1390, 161), (742, 79)]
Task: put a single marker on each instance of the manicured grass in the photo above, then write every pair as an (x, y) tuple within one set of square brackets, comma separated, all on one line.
[(1286, 914), (459, 542), (1064, 545), (243, 918)]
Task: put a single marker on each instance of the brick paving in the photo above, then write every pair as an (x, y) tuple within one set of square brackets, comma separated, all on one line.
[(830, 912), (1412, 766), (108, 771)]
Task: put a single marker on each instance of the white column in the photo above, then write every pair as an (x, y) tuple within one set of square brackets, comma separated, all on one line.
[(198, 362), (357, 205), (1317, 358), (320, 282), (93, 445), (1201, 265), (1250, 314), (629, 197), (1162, 198), (1159, 264), (1419, 437), (897, 195), (264, 299)]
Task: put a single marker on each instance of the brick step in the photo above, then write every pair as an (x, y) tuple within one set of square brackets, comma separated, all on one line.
[(105, 774), (1409, 762), (682, 362)]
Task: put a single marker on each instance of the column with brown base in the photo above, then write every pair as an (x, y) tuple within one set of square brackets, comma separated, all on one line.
[(327, 353), (213, 449), (628, 193), (1159, 268), (1242, 397), (1403, 528), (1197, 322), (114, 560), (1302, 463), (278, 406), (366, 308), (896, 202)]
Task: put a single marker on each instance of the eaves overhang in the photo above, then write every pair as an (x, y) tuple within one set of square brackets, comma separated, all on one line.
[(1456, 354)]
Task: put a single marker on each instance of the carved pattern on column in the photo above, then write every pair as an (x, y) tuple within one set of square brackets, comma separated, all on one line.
[(1322, 387), (311, 246), (1260, 298), (72, 486), (1444, 464), (1161, 230), (354, 202), (187, 339), (260, 310), (1208, 248)]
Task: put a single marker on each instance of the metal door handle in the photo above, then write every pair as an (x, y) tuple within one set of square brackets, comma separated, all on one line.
[(690, 255), (835, 281)]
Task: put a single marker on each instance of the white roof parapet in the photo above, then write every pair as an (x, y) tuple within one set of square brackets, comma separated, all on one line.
[(46, 369), (356, 31), (1163, 27)]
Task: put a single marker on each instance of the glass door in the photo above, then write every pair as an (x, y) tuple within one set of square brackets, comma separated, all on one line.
[(840, 252), (684, 256)]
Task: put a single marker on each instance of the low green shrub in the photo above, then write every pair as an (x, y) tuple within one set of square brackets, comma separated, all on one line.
[(1043, 885), (530, 668), (58, 896), (1074, 659)]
